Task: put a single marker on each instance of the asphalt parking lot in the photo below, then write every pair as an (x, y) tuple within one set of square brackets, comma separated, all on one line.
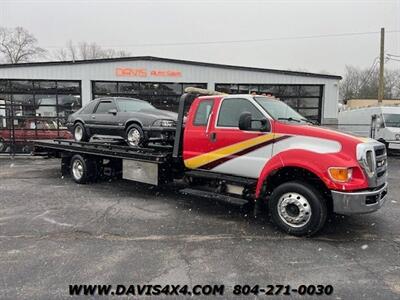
[(54, 232)]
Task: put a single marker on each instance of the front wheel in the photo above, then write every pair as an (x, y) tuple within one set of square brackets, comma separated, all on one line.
[(80, 134), (297, 208), (135, 136)]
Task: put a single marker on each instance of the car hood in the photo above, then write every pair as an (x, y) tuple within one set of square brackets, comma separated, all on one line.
[(160, 114)]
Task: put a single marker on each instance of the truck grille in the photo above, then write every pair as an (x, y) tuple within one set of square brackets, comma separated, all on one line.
[(380, 160)]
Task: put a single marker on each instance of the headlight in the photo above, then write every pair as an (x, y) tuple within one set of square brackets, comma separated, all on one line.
[(164, 123), (340, 174), (397, 136)]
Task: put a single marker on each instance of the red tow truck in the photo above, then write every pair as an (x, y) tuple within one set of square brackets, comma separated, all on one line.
[(247, 149)]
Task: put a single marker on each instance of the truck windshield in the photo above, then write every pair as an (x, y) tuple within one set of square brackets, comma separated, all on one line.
[(280, 110), (392, 120), (132, 105)]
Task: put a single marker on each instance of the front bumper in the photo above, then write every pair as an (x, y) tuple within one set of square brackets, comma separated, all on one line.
[(394, 145), (160, 133), (362, 202)]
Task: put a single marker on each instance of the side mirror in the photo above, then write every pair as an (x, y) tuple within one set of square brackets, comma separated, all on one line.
[(245, 121), (113, 111)]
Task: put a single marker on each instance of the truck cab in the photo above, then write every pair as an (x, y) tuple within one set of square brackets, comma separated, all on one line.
[(385, 126), (259, 148)]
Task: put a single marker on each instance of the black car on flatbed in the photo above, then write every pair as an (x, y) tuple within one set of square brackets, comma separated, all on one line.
[(134, 120)]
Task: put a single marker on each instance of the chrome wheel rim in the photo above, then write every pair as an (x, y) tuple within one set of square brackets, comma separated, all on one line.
[(134, 137), (294, 209), (77, 169), (78, 133)]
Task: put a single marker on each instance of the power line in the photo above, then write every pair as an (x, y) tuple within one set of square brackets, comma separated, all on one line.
[(347, 34), (369, 74), (394, 59)]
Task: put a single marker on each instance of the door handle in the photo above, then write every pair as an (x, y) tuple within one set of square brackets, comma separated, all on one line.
[(93, 117), (213, 136)]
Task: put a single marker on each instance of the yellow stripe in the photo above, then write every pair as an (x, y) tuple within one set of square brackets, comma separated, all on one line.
[(206, 158)]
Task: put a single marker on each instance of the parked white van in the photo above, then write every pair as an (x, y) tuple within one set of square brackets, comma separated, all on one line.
[(381, 123)]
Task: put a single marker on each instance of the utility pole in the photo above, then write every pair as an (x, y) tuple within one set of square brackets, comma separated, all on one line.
[(381, 89)]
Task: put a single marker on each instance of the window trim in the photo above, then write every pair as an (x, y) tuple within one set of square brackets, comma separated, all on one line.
[(252, 101), (197, 109)]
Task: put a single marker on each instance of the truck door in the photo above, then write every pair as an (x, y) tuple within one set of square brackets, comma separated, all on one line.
[(196, 136), (230, 150)]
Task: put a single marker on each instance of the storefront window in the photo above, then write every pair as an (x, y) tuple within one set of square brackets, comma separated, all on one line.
[(45, 87), (68, 87), (163, 95), (22, 86), (4, 86), (35, 109), (106, 88), (306, 98), (129, 88)]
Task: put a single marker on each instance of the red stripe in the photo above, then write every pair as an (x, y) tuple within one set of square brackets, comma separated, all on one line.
[(224, 159)]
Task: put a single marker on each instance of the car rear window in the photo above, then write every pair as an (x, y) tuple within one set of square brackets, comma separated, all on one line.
[(203, 112), (88, 109)]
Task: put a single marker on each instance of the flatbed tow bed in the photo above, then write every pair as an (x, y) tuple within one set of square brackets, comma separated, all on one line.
[(111, 150), (152, 165)]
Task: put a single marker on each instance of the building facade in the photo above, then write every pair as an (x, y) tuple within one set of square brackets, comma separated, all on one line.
[(38, 97)]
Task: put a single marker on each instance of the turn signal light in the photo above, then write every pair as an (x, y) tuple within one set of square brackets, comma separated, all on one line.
[(340, 174)]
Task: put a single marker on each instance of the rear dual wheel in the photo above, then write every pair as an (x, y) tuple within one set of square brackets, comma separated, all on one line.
[(83, 169), (298, 208), (2, 145)]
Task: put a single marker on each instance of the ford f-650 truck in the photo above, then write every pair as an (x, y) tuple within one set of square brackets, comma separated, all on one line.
[(247, 149)]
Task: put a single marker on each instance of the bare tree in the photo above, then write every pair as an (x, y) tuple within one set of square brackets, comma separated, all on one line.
[(363, 83), (85, 50), (18, 45)]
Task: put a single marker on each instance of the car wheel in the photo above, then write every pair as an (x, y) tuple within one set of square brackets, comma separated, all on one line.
[(2, 145), (82, 169), (134, 136), (297, 208), (80, 134)]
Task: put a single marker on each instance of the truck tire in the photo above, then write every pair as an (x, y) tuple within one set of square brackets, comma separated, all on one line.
[(82, 169), (135, 136), (80, 134), (2, 145), (297, 208)]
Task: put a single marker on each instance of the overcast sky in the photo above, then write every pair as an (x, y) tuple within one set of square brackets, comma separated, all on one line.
[(130, 24)]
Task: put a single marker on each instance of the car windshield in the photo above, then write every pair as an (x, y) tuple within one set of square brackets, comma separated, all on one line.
[(392, 120), (132, 105), (279, 110)]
